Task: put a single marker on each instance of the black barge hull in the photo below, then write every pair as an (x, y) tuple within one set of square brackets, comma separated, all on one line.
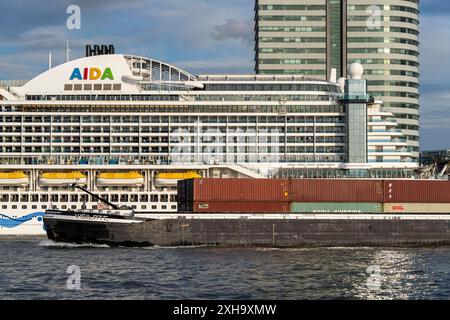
[(267, 232)]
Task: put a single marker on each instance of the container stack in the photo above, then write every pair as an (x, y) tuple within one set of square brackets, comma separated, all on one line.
[(313, 196), (336, 195), (416, 196), (233, 195)]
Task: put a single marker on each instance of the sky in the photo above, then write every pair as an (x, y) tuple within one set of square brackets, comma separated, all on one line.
[(201, 36)]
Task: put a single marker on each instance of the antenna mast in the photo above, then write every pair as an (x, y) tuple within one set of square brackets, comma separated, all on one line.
[(49, 60)]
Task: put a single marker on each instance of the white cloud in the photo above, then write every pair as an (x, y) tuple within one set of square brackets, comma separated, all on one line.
[(236, 30)]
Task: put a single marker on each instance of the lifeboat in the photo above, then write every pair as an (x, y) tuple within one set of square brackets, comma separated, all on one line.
[(17, 178), (120, 179), (172, 178), (62, 178)]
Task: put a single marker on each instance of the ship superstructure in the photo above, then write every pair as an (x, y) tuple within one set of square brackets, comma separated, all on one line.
[(129, 127)]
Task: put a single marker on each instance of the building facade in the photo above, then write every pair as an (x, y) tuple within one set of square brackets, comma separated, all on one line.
[(312, 37)]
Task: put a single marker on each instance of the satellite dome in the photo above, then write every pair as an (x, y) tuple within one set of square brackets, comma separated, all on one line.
[(356, 71)]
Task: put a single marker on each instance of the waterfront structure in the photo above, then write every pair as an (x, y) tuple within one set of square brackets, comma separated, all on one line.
[(126, 127), (313, 37)]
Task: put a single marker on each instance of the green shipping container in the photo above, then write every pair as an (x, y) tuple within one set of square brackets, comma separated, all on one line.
[(333, 207)]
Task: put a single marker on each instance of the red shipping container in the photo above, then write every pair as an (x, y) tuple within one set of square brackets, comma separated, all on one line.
[(270, 190), (240, 207), (336, 190), (417, 191)]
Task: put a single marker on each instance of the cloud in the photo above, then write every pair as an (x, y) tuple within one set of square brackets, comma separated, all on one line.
[(235, 30)]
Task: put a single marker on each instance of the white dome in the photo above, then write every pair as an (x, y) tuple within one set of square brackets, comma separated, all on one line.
[(355, 71), (341, 83)]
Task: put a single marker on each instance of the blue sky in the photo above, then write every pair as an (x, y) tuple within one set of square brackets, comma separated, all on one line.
[(202, 36)]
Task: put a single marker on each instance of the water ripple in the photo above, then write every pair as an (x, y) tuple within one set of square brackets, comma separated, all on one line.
[(33, 268)]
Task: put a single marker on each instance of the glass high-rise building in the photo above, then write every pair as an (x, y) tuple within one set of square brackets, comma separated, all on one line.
[(312, 37)]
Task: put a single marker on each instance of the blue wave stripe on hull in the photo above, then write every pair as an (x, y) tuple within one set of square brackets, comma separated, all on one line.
[(9, 222)]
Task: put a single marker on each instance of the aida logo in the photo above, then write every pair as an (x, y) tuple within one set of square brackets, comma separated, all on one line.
[(91, 74)]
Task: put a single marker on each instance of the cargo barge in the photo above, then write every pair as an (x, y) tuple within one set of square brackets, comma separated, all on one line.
[(266, 230), (238, 212)]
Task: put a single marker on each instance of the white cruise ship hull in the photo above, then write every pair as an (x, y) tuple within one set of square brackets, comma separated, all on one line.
[(15, 223)]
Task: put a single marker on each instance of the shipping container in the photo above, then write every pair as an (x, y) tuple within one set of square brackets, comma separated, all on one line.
[(336, 190), (416, 191), (269, 190), (241, 207), (336, 207), (425, 208)]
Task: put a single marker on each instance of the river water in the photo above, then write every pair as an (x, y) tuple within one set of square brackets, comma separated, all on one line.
[(36, 268)]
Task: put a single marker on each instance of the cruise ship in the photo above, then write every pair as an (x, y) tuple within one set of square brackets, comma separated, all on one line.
[(128, 128)]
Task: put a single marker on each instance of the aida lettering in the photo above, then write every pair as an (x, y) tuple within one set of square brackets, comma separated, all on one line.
[(91, 74)]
